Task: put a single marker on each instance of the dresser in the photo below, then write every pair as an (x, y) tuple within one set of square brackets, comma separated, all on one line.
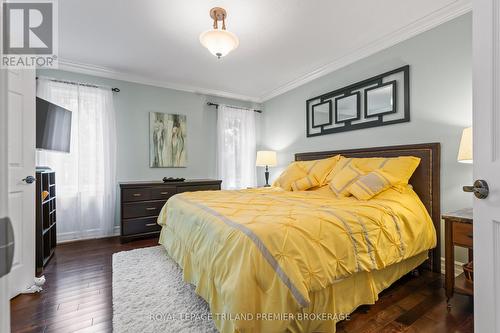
[(141, 203)]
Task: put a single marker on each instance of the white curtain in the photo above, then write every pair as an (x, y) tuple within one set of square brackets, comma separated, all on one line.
[(86, 177), (236, 147)]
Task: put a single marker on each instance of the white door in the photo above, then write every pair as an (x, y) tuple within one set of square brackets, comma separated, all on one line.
[(21, 89), (486, 122)]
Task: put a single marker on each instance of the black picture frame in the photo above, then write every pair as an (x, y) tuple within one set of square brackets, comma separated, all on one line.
[(392, 83), (403, 95), (329, 102), (358, 107)]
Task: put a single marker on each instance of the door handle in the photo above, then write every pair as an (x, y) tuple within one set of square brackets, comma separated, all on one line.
[(480, 189), (29, 179)]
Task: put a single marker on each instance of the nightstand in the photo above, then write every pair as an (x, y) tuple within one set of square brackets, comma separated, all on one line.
[(458, 232)]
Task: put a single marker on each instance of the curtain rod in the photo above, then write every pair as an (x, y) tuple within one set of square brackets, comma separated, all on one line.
[(79, 84), (236, 107)]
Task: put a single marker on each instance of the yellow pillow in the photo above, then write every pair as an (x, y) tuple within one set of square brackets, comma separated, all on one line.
[(371, 184), (292, 173), (343, 179), (319, 169), (304, 183), (341, 163), (401, 167)]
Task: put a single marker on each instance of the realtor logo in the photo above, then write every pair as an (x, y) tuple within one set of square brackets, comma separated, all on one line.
[(29, 34)]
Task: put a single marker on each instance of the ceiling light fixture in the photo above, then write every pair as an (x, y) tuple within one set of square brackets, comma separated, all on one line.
[(219, 41)]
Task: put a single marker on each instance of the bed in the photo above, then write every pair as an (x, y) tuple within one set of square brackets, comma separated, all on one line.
[(268, 260)]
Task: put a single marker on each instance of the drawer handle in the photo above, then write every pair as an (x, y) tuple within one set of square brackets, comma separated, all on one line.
[(136, 194), (151, 208), (164, 193), (150, 224)]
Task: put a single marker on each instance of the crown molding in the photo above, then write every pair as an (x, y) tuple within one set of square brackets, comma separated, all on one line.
[(440, 16), (81, 68)]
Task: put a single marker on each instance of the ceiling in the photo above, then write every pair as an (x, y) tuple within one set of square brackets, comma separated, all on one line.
[(283, 43)]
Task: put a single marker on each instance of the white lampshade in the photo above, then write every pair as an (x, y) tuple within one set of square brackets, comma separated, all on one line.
[(219, 42), (266, 158), (465, 150)]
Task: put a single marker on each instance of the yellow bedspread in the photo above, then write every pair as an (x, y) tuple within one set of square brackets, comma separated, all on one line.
[(264, 252)]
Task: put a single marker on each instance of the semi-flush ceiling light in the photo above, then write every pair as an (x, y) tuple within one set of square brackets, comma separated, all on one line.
[(219, 41)]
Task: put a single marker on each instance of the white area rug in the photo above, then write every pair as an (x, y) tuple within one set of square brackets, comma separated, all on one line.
[(149, 295)]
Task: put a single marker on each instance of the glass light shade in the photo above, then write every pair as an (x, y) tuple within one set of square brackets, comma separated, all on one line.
[(266, 158), (219, 42), (465, 150)]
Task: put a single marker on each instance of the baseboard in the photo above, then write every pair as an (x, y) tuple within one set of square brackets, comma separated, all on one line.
[(458, 267), (66, 237)]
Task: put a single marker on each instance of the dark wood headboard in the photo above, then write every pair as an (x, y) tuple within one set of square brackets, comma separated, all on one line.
[(425, 179)]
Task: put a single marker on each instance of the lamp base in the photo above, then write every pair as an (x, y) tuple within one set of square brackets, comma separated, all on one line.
[(266, 174)]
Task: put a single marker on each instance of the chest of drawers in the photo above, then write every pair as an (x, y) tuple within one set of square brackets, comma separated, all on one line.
[(141, 202)]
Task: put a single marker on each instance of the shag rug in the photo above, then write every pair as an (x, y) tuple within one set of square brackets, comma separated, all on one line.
[(149, 295)]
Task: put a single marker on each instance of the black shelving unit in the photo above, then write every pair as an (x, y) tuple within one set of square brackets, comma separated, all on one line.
[(46, 235)]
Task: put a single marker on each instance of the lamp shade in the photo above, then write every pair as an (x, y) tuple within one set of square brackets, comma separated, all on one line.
[(465, 150), (266, 158), (219, 42)]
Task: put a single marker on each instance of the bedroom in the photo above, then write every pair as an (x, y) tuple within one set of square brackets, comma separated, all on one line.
[(147, 208)]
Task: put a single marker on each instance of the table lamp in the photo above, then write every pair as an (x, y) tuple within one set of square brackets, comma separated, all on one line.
[(465, 150), (266, 158)]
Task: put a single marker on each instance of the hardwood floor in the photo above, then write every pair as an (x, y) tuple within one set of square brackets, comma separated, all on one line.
[(77, 297), (413, 304)]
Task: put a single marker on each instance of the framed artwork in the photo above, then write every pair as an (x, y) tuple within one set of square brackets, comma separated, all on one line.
[(167, 140), (380, 100)]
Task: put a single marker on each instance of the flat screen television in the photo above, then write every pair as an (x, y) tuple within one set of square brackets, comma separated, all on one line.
[(53, 126)]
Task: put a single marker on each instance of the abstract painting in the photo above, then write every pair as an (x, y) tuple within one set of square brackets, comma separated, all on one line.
[(167, 140)]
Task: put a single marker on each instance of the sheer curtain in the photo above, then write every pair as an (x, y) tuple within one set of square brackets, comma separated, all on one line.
[(86, 177), (236, 147)]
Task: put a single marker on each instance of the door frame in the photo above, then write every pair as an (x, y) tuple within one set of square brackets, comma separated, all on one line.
[(4, 283)]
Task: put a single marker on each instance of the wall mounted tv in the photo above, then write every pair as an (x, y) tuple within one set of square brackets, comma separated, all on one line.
[(53, 126)]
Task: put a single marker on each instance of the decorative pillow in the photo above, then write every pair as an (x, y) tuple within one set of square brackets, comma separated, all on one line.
[(371, 184), (343, 179), (401, 167), (341, 163), (304, 183), (319, 169), (292, 173)]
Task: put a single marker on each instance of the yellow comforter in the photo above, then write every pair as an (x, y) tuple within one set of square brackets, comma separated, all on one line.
[(259, 254)]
